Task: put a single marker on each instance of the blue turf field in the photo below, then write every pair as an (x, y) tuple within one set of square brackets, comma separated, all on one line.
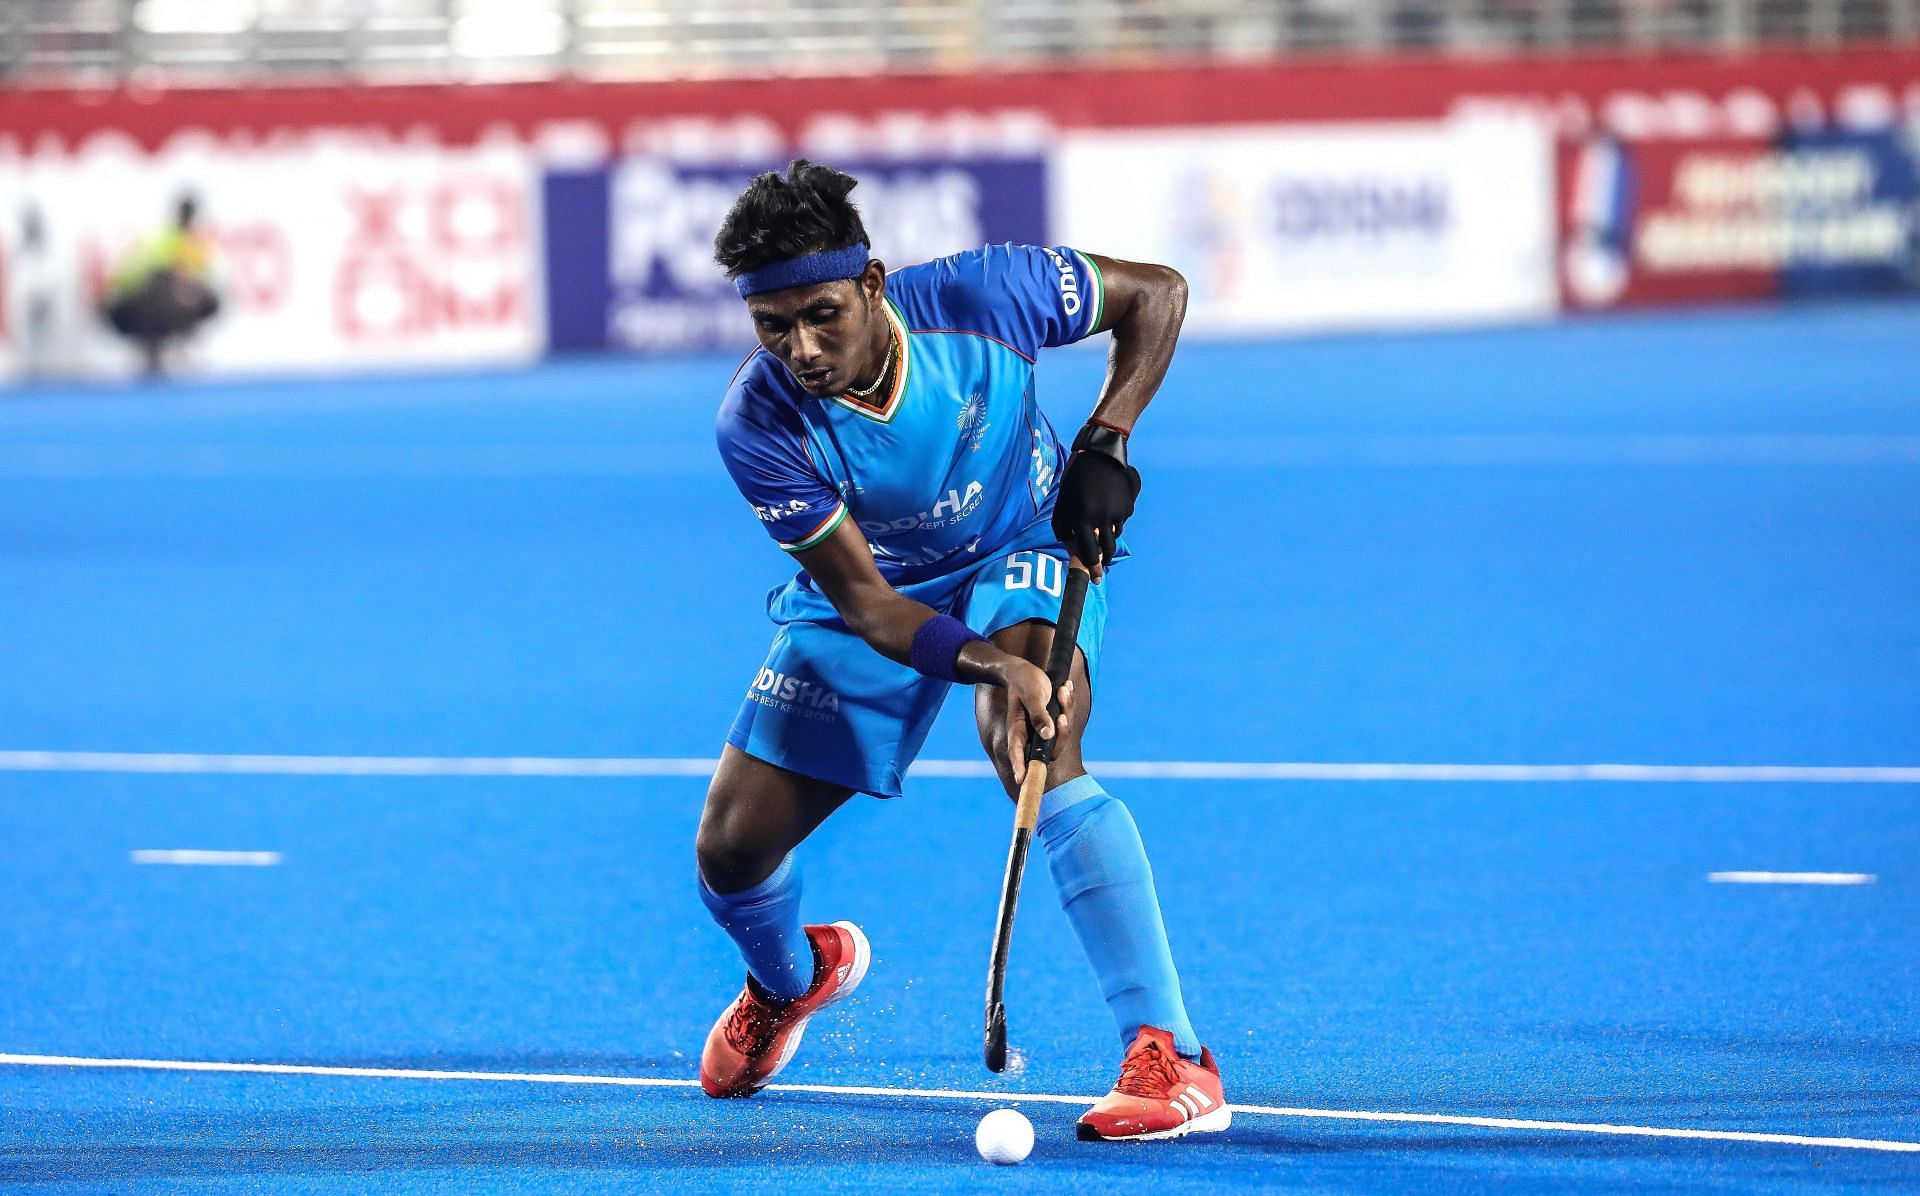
[(1685, 541)]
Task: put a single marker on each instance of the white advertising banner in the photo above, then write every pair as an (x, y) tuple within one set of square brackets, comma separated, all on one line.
[(325, 256), (1298, 227)]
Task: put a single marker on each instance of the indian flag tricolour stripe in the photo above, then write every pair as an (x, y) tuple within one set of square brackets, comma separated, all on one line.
[(819, 533), (1097, 303)]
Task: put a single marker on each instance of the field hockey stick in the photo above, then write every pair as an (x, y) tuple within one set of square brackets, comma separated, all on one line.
[(1066, 633)]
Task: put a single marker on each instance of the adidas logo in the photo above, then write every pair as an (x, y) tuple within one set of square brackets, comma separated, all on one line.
[(1193, 1102), (841, 973)]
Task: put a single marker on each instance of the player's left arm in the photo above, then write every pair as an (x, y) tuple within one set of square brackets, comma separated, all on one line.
[(1143, 306)]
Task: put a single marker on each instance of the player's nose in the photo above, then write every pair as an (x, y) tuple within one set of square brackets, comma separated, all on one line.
[(803, 346)]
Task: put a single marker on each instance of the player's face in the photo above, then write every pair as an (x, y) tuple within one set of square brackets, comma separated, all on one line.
[(832, 337)]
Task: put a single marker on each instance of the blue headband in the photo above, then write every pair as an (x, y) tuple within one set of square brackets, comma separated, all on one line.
[(829, 265)]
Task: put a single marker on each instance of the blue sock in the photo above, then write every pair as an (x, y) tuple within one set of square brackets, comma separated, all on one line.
[(764, 922), (1100, 868)]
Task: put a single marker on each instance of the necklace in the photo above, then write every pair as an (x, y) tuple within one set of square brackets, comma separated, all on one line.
[(893, 346)]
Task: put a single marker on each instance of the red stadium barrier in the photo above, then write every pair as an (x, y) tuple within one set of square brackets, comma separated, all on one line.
[(940, 105)]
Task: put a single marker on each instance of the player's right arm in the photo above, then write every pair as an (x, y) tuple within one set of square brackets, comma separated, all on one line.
[(842, 566)]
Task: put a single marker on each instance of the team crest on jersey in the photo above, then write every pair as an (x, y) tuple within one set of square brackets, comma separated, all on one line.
[(972, 421)]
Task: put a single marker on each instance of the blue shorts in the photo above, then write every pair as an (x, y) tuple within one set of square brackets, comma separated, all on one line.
[(826, 705)]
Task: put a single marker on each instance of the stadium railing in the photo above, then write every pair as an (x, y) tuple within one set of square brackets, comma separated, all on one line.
[(102, 42)]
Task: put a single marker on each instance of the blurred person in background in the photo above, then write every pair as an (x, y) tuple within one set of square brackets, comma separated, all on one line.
[(161, 293), (31, 290)]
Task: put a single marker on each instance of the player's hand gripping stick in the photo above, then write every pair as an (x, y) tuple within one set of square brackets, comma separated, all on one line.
[(1066, 633)]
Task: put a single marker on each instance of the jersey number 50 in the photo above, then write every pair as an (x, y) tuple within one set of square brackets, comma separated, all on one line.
[(1025, 570)]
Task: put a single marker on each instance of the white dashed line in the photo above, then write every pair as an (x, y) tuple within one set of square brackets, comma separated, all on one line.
[(1792, 878), (226, 859)]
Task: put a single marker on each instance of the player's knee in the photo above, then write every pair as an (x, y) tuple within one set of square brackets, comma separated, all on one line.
[(729, 866), (729, 857)]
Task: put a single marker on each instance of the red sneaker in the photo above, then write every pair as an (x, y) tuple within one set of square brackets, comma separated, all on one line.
[(1160, 1095), (756, 1035)]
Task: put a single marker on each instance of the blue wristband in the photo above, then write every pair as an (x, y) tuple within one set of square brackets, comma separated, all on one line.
[(936, 646)]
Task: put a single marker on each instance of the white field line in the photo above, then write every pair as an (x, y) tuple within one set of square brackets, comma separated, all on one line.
[(356, 766), (1173, 770), (191, 856), (1792, 878), (955, 1094)]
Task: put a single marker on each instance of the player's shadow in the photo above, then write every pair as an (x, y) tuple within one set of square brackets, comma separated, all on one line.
[(1687, 1043), (109, 1162), (611, 1134), (327, 1125), (1466, 1141), (1789, 1105)]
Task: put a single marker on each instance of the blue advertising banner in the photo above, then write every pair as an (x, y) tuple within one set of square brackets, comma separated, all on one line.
[(579, 288), (629, 249), (1850, 200), (1807, 212)]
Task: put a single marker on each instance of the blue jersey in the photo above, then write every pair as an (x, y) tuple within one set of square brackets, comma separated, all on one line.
[(957, 461)]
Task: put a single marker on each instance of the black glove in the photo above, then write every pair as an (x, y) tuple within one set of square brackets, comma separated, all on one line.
[(1097, 491)]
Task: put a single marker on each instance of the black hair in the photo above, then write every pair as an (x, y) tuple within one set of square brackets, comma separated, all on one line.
[(781, 217)]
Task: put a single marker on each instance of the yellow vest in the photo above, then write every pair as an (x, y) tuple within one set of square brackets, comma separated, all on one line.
[(179, 249)]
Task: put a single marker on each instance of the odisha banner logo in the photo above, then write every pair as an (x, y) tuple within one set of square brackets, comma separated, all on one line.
[(1357, 208)]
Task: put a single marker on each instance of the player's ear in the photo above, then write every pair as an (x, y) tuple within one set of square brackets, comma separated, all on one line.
[(873, 284)]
